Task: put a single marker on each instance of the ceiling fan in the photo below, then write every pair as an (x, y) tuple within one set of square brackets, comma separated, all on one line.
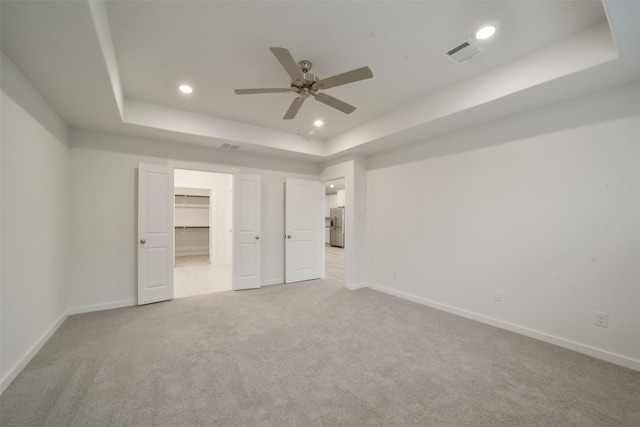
[(306, 84)]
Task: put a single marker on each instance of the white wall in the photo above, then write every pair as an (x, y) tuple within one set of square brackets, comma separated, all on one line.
[(104, 217), (551, 220), (35, 222), (220, 184)]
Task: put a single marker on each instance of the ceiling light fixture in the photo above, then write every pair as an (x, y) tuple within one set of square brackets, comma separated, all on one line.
[(485, 32), (185, 89), (331, 186), (318, 123)]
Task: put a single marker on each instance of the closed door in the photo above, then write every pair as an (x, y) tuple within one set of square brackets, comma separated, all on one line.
[(304, 230), (246, 232), (155, 233)]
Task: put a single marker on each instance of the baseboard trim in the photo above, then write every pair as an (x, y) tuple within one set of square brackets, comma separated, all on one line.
[(100, 307), (356, 286), (192, 252), (278, 281), (35, 348), (617, 359)]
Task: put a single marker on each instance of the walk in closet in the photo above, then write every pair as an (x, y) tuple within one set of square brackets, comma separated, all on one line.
[(192, 223)]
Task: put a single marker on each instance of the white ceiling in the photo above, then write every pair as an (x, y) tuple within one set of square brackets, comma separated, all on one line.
[(116, 66), (218, 47), (332, 187)]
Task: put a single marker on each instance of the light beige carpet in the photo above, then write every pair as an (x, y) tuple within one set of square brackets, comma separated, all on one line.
[(309, 354)]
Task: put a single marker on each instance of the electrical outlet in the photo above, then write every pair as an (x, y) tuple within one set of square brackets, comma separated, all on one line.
[(602, 319), (395, 274), (498, 296)]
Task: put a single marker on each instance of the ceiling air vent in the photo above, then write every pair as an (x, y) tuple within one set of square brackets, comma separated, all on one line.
[(463, 52), (229, 147)]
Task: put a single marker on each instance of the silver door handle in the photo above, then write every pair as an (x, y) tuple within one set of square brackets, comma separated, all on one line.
[(257, 237), (143, 241)]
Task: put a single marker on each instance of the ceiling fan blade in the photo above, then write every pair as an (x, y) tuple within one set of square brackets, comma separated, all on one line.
[(335, 103), (288, 63), (293, 108), (344, 78), (261, 90)]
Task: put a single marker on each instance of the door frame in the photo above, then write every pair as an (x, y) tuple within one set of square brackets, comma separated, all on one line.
[(209, 168), (355, 212), (347, 169), (213, 225), (344, 254)]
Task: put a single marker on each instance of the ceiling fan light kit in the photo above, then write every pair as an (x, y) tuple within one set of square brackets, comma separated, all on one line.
[(306, 84)]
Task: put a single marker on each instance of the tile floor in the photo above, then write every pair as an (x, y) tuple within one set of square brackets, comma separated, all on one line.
[(195, 276), (334, 264)]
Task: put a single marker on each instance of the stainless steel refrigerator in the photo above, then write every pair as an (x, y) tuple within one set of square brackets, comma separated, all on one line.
[(336, 234)]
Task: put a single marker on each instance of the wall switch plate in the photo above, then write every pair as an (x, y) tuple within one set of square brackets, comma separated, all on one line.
[(602, 319), (498, 296)]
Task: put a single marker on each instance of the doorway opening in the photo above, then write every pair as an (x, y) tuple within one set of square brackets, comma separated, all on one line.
[(203, 235), (334, 213)]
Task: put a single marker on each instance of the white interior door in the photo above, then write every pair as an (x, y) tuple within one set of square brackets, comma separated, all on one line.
[(304, 230), (246, 232), (155, 233)]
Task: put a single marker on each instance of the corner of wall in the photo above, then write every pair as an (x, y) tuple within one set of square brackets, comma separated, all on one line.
[(38, 188), (18, 88), (15, 370), (356, 286)]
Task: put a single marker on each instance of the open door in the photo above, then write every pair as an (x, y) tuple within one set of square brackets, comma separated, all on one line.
[(246, 232), (304, 230), (155, 233)]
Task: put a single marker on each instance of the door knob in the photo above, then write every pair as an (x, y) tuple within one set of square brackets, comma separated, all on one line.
[(288, 236), (257, 237), (143, 241)]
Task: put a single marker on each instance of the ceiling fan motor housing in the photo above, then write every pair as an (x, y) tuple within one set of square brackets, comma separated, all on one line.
[(304, 86), (307, 80)]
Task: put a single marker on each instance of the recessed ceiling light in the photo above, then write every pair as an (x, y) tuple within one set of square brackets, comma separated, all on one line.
[(318, 123), (485, 32), (331, 186), (185, 89)]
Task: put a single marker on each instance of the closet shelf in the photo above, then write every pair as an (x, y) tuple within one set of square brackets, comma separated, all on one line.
[(191, 226)]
